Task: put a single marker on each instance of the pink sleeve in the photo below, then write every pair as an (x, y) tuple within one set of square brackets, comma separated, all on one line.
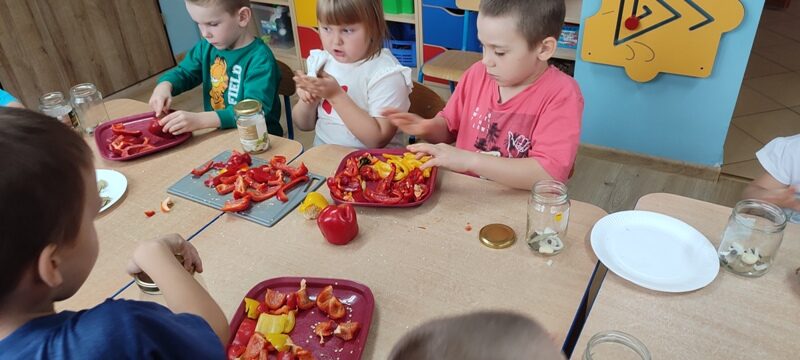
[(557, 135), (453, 110)]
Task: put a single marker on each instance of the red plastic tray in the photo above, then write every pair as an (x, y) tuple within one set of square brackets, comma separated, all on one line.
[(358, 301), (134, 122), (371, 184)]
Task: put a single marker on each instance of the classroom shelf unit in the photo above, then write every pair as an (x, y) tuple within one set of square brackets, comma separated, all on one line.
[(435, 25)]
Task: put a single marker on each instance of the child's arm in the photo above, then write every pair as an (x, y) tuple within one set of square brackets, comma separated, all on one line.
[(519, 173), (182, 293), (304, 113), (372, 132), (185, 76), (431, 130), (768, 189)]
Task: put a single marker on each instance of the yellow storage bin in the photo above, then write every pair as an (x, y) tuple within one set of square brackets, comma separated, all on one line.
[(306, 12)]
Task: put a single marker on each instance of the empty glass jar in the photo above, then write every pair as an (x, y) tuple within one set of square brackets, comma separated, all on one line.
[(88, 104), (752, 237), (615, 345), (548, 217)]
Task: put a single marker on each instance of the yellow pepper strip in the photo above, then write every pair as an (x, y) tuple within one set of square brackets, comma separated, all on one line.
[(390, 156), (279, 341), (402, 169), (271, 324), (426, 173), (290, 321), (382, 168), (312, 205), (251, 307)]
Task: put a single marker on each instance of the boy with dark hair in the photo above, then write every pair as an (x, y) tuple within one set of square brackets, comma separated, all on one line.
[(514, 119), (232, 65), (48, 246)]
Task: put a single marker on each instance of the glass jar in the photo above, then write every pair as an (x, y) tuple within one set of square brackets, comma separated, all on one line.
[(88, 104), (548, 217), (603, 345), (54, 104), (752, 237), (252, 126)]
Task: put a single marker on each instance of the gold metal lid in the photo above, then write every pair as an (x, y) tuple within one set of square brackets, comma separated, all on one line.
[(247, 107), (497, 236)]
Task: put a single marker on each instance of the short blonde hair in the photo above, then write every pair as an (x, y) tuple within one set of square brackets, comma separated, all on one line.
[(493, 335), (348, 12), (231, 6)]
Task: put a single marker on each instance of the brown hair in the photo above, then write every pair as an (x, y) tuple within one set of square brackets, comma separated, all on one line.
[(42, 189), (231, 6), (482, 335), (536, 19), (348, 12)]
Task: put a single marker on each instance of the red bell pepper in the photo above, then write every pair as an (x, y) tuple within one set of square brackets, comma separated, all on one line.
[(282, 191), (301, 170), (338, 223), (239, 188), (203, 169), (277, 159), (156, 129), (136, 149), (237, 205)]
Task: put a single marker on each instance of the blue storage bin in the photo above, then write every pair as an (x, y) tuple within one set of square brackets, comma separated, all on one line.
[(403, 43), (441, 3), (443, 27)]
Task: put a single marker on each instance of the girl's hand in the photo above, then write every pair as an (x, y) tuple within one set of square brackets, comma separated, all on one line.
[(180, 122), (323, 87), (444, 155), (306, 97), (411, 124), (173, 244), (161, 99)]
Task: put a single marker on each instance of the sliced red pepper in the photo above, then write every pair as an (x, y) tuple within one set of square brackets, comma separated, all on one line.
[(149, 213), (254, 346), (286, 355), (242, 337), (259, 196), (347, 331), (274, 299), (291, 171), (223, 189), (119, 129), (303, 354), (237, 205), (136, 149), (368, 173), (280, 311), (282, 191), (239, 188), (303, 301), (258, 174), (202, 169), (227, 179), (277, 159), (324, 328), (291, 301), (385, 185), (324, 296), (389, 199)]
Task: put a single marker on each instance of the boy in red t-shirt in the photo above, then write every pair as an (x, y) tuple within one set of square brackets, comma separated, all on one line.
[(514, 118)]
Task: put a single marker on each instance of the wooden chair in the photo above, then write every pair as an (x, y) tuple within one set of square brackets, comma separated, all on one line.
[(286, 89), (451, 64), (424, 102)]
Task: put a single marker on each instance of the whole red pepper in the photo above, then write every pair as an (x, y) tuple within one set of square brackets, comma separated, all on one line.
[(338, 223)]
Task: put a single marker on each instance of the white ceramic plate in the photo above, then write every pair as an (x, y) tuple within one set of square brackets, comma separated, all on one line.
[(655, 251), (117, 184)]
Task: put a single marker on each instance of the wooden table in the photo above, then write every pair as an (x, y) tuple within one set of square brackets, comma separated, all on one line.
[(420, 263), (122, 226), (732, 318)]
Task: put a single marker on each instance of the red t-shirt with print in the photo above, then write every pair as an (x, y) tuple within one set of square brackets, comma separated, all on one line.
[(542, 122)]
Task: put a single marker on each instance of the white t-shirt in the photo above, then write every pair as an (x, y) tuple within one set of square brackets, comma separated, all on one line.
[(781, 159), (373, 85)]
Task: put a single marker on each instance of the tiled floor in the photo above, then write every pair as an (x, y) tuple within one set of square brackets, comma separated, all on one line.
[(769, 101)]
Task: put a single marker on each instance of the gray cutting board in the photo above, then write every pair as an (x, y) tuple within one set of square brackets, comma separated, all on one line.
[(266, 213)]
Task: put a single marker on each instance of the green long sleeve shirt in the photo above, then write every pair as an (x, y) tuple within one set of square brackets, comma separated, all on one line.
[(229, 76)]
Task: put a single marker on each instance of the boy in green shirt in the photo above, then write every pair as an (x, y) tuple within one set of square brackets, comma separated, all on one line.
[(232, 65)]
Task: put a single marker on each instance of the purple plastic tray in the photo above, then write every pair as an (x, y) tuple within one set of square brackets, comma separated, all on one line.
[(431, 182), (358, 301), (140, 122)]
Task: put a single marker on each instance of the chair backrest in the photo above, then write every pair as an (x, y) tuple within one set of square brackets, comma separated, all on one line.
[(287, 86), (471, 5), (425, 102)]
